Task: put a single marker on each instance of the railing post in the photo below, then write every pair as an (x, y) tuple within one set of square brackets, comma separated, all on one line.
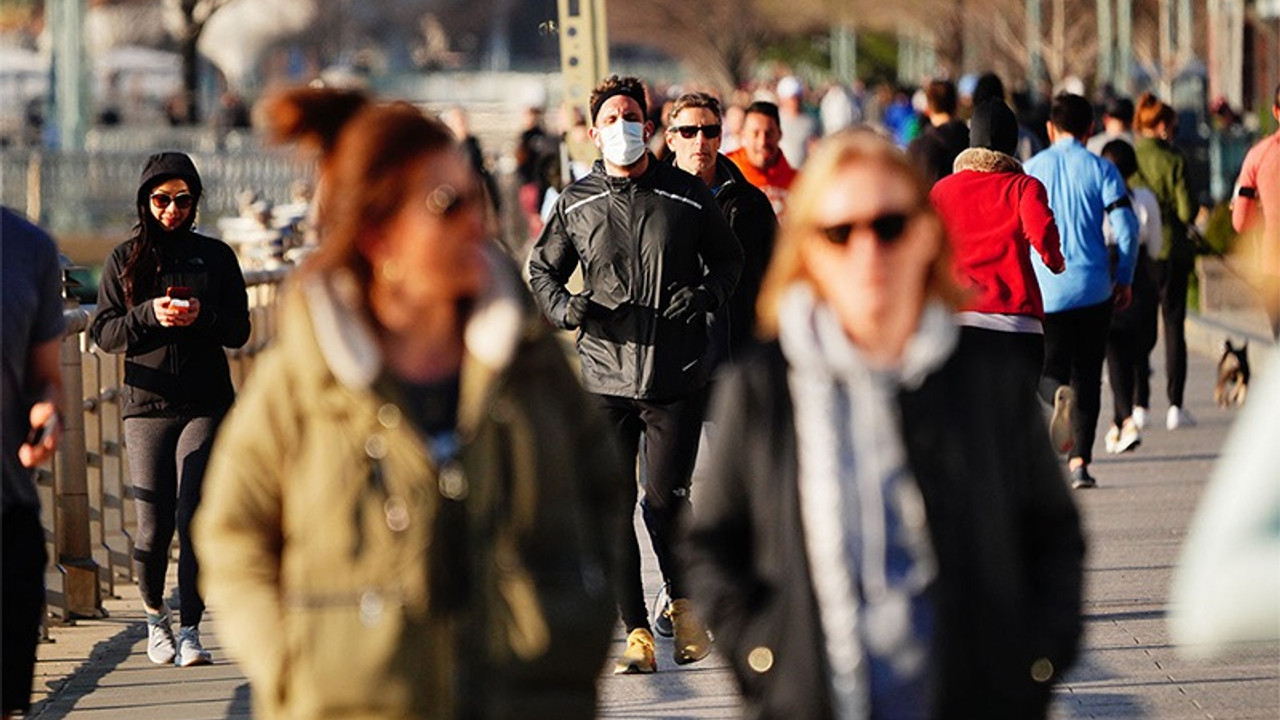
[(92, 373), (71, 491), (116, 507)]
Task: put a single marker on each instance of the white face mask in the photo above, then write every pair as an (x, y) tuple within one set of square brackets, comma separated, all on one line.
[(622, 143)]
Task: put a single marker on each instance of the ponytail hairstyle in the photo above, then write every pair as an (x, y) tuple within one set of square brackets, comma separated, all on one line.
[(369, 153), (1150, 113)]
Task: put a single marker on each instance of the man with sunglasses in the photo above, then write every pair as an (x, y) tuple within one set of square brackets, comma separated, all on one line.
[(693, 135), (656, 256), (760, 158)]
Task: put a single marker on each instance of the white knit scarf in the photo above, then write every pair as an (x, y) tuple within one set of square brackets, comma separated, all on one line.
[(852, 465)]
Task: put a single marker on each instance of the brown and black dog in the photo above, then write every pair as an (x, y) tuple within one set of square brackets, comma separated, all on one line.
[(1233, 374)]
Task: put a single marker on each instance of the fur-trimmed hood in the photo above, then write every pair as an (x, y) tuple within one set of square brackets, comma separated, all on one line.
[(985, 160), (499, 321)]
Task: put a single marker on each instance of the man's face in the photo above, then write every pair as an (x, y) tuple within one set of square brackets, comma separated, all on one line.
[(696, 154), (618, 107), (760, 136)]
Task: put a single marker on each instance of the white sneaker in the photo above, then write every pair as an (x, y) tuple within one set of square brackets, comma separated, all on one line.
[(190, 651), (1177, 418), (1112, 439), (1060, 424), (160, 647), (1140, 417), (1128, 438)]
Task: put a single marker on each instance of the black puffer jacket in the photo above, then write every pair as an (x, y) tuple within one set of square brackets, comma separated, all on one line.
[(638, 240), (171, 369)]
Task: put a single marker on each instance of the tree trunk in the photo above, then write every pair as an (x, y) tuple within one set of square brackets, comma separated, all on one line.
[(191, 75)]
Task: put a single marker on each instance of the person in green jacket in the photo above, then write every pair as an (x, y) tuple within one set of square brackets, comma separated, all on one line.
[(1163, 170), (409, 511)]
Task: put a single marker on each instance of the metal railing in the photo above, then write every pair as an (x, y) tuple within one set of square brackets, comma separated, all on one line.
[(86, 495)]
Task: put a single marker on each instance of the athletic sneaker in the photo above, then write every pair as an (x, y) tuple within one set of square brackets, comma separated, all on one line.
[(1060, 425), (661, 620), (1129, 437), (1140, 417), (160, 647), (1177, 418), (1112, 439), (190, 651), (638, 657), (1081, 479)]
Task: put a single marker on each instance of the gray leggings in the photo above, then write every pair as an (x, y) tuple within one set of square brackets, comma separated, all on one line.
[(167, 459)]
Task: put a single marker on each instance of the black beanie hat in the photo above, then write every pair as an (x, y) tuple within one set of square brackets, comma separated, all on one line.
[(994, 127)]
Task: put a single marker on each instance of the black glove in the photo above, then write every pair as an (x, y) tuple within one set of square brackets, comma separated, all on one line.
[(687, 304), (578, 309)]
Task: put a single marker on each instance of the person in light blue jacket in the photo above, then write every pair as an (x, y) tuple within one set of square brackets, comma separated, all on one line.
[(1083, 189)]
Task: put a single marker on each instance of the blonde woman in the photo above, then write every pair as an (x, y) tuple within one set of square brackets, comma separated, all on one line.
[(884, 530)]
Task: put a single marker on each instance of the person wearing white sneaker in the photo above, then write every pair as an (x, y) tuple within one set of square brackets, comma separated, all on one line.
[(1178, 418), (1083, 190), (160, 643), (172, 301), (1123, 438), (190, 651)]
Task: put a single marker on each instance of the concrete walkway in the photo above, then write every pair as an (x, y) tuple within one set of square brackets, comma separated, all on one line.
[(1135, 522)]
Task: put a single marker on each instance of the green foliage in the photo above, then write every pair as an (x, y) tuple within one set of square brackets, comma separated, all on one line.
[(877, 57), (1218, 233), (810, 55)]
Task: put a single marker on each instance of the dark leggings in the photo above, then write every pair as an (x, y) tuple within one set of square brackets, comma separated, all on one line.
[(1075, 344), (671, 431), (1129, 345), (1171, 278), (993, 346), (167, 459)]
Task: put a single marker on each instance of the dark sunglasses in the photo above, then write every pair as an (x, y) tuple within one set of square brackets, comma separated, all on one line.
[(887, 227), (182, 200), (688, 132)]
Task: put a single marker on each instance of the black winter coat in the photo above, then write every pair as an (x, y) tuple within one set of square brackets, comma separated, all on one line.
[(1004, 528), (750, 214), (176, 369), (934, 152), (637, 240)]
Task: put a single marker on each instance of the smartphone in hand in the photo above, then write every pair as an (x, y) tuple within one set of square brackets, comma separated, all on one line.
[(179, 296), (38, 434)]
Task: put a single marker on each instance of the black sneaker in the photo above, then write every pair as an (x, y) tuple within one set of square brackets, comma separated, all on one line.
[(661, 620), (1081, 479)]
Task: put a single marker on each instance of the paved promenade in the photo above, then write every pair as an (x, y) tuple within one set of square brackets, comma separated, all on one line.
[(1135, 522)]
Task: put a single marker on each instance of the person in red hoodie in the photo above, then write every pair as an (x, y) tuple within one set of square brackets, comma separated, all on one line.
[(994, 214)]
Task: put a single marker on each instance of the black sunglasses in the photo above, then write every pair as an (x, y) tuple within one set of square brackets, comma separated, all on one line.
[(688, 132), (887, 227), (182, 200)]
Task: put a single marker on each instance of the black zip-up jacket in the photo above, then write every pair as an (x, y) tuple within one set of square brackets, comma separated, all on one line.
[(170, 369), (638, 240)]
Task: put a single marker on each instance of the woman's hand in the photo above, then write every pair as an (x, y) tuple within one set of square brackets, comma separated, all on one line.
[(170, 315)]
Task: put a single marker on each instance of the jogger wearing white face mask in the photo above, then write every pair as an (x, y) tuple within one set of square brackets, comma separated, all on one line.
[(657, 256), (623, 142)]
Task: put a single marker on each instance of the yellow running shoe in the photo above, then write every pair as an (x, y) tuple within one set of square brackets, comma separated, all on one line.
[(638, 657)]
